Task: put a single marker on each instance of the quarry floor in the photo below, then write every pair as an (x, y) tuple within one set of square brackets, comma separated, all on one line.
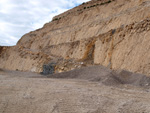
[(22, 92)]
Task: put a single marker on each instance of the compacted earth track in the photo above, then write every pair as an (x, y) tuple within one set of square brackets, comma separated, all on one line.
[(24, 92)]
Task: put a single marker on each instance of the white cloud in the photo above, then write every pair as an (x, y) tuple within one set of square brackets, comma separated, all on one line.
[(18, 17)]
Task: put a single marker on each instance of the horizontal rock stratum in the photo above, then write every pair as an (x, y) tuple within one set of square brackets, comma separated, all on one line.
[(112, 33)]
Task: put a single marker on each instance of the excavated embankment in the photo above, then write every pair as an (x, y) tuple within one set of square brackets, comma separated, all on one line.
[(112, 33)]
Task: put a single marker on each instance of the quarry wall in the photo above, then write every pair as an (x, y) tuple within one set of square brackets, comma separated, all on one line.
[(113, 33)]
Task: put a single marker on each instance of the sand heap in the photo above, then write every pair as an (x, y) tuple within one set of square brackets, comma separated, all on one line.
[(112, 33)]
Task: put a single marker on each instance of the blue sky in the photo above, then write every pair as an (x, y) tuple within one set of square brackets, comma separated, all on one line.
[(18, 17)]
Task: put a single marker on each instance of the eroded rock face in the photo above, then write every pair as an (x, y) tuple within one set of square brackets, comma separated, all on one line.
[(113, 33)]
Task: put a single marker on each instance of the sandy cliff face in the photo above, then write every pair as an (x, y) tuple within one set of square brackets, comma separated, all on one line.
[(114, 33)]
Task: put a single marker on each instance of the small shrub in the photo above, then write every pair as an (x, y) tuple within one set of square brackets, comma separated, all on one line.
[(55, 19), (102, 3), (109, 1), (83, 3), (106, 2)]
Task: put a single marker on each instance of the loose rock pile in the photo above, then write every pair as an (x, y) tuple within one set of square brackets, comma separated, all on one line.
[(48, 69), (105, 76)]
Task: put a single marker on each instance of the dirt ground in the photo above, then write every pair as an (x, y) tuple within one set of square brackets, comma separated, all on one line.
[(24, 92)]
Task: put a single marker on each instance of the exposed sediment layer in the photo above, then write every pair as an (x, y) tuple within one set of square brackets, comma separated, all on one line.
[(113, 33)]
